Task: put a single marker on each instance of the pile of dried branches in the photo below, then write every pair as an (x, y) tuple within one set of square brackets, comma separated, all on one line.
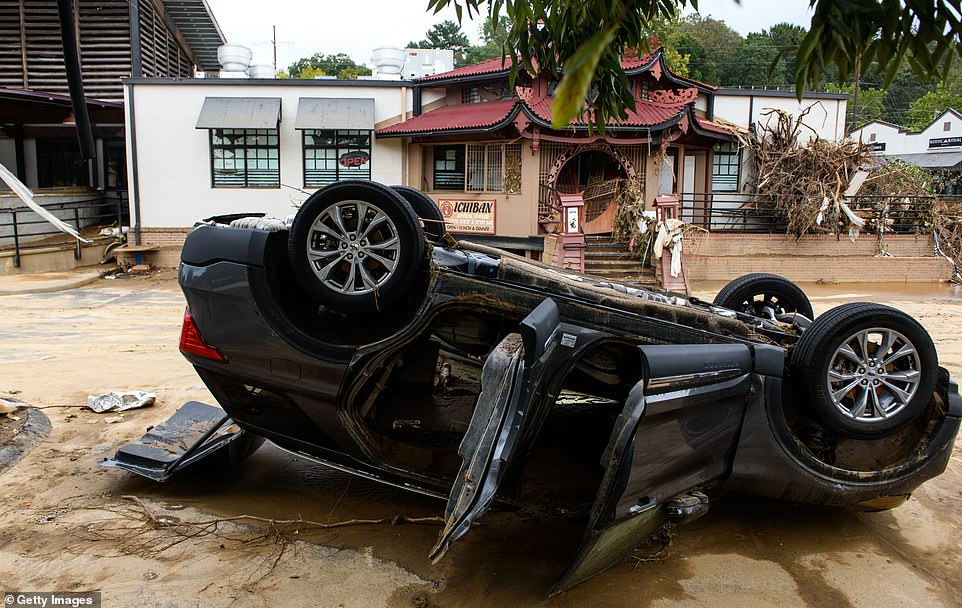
[(945, 220), (803, 183), (631, 207)]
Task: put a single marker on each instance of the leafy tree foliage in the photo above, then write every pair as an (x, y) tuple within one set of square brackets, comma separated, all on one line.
[(319, 64), (582, 42), (715, 61), (928, 107), (446, 35), (493, 36)]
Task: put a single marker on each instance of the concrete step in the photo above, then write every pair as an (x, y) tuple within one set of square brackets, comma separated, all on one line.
[(592, 254), (622, 266), (612, 247)]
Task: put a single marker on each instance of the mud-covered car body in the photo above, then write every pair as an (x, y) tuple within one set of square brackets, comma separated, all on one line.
[(500, 378)]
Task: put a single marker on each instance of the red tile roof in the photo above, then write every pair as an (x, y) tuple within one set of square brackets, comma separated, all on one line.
[(490, 66), (708, 125), (455, 118), (646, 113)]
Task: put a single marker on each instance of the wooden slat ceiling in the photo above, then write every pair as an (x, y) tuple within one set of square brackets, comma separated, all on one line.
[(31, 51)]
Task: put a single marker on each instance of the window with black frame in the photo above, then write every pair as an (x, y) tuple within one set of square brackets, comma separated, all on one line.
[(60, 164), (449, 167), (335, 155), (115, 164), (245, 158), (726, 168)]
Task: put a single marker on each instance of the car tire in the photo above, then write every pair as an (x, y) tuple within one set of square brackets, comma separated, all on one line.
[(427, 210), (853, 388), (354, 264), (750, 293)]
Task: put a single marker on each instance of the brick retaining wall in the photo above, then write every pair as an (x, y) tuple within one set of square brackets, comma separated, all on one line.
[(722, 257)]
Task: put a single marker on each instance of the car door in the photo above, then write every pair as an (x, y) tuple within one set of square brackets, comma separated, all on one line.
[(508, 379), (676, 432)]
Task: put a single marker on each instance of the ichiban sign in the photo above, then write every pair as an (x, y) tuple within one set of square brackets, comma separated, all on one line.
[(472, 217)]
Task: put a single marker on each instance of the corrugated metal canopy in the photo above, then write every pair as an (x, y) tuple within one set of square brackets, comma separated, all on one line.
[(195, 22), (240, 113), (933, 160), (334, 113)]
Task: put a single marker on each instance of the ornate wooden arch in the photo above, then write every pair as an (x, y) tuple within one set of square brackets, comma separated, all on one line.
[(595, 146)]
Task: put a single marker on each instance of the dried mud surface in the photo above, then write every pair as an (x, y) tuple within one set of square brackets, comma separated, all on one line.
[(65, 526)]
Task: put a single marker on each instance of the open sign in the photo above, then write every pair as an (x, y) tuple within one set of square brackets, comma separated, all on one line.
[(354, 159)]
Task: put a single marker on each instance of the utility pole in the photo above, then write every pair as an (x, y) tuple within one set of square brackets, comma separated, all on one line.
[(275, 48), (858, 77)]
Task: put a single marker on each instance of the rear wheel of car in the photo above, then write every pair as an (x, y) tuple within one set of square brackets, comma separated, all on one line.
[(424, 206), (752, 293), (868, 369), (355, 246)]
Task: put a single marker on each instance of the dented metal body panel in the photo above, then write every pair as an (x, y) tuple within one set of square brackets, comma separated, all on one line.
[(466, 389)]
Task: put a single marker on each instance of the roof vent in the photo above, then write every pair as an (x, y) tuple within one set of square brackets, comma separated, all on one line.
[(261, 70), (233, 57), (388, 60)]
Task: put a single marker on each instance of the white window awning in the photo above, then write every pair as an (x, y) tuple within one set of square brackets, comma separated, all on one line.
[(240, 113), (334, 113)]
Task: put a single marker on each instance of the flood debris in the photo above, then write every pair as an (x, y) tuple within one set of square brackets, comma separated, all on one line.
[(9, 405), (805, 184), (120, 401)]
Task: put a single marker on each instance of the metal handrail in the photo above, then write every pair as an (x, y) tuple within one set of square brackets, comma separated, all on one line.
[(18, 232)]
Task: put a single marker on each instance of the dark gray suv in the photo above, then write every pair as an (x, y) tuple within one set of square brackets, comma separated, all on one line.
[(361, 336)]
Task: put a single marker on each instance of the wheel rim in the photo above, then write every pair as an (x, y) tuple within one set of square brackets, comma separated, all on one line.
[(873, 374), (756, 303), (353, 247)]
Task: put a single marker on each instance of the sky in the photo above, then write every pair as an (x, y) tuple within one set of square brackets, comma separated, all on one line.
[(357, 27)]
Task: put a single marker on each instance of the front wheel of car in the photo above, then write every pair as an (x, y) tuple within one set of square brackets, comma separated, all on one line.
[(869, 370), (753, 293), (356, 246)]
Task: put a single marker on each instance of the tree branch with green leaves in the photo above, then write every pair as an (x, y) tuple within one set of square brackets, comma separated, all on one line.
[(582, 42)]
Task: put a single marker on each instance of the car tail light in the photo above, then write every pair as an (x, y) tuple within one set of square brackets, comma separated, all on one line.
[(191, 343)]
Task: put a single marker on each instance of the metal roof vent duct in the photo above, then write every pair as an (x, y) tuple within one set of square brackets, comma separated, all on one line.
[(388, 61), (233, 57), (261, 70)]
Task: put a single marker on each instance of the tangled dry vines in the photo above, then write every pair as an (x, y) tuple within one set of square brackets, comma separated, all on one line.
[(802, 183)]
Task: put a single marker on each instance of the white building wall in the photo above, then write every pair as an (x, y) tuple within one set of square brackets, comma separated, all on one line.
[(174, 162), (826, 118)]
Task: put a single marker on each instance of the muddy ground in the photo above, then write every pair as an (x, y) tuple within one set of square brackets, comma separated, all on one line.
[(65, 524)]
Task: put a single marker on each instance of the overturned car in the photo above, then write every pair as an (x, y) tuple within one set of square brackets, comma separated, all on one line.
[(362, 337)]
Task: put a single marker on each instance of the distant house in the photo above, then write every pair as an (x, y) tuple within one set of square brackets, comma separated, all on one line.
[(937, 147)]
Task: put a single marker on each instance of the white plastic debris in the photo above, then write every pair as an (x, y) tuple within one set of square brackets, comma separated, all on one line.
[(120, 401), (9, 406)]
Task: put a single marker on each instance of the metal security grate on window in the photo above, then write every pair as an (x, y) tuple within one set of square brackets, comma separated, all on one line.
[(494, 165), (245, 158), (334, 155), (470, 94), (475, 168), (493, 168)]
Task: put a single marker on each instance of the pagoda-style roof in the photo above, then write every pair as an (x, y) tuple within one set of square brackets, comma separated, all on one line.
[(632, 64), (666, 102)]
